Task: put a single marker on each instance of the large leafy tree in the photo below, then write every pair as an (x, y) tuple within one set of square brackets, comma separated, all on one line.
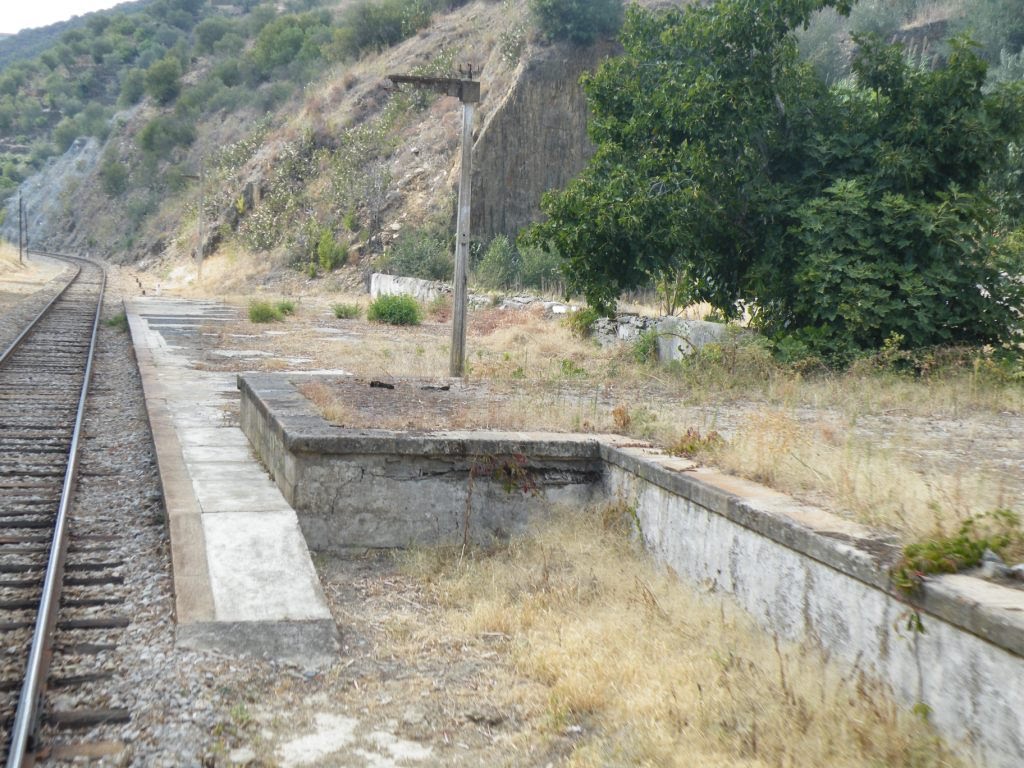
[(840, 215)]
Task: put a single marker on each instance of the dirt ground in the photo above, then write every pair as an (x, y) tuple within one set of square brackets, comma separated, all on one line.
[(18, 279)]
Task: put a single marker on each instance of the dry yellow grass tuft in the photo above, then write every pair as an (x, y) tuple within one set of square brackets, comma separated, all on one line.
[(649, 674)]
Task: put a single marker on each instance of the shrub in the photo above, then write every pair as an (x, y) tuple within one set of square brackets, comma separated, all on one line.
[(330, 254), (692, 443), (504, 266), (645, 349), (118, 321), (164, 133), (422, 253), (113, 177), (499, 268), (870, 214), (264, 312), (132, 87), (395, 310), (998, 530), (347, 311), (539, 267), (581, 322), (371, 25), (162, 80), (285, 307), (577, 21)]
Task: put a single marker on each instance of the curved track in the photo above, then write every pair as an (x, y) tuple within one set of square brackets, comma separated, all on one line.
[(44, 379)]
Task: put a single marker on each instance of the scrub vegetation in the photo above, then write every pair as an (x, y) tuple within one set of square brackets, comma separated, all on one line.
[(621, 656)]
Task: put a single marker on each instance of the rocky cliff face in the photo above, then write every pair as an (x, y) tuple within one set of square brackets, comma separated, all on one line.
[(530, 138), (535, 140), (50, 196)]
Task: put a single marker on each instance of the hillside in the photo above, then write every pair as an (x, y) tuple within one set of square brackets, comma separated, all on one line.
[(282, 124), (30, 43)]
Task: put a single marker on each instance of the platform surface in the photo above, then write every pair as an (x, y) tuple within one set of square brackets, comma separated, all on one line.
[(243, 578)]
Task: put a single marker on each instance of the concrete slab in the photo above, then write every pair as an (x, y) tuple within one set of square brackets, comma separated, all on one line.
[(243, 578), (273, 548), (198, 454)]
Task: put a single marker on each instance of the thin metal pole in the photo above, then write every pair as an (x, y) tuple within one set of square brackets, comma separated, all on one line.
[(21, 231), (458, 357)]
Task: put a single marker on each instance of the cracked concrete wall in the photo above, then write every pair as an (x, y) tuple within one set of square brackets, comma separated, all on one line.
[(364, 500), (974, 689)]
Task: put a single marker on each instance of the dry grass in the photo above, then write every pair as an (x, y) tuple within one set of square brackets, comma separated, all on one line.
[(908, 454), (650, 674), (9, 257), (872, 483)]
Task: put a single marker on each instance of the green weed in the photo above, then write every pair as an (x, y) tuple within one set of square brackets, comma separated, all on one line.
[(395, 310), (347, 311)]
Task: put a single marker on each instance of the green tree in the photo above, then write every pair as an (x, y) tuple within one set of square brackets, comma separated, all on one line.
[(164, 133), (578, 21), (840, 215), (209, 31), (162, 80), (133, 85)]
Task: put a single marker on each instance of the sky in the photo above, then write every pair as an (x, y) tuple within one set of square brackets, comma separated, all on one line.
[(24, 14)]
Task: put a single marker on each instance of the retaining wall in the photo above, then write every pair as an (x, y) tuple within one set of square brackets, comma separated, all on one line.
[(376, 488), (803, 573)]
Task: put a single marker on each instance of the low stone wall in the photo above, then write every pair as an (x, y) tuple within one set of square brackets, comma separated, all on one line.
[(375, 488), (395, 285), (804, 574)]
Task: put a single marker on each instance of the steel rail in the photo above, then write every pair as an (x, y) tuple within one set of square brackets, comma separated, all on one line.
[(27, 715)]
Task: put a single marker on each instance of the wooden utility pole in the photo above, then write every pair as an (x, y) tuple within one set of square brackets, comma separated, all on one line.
[(468, 92)]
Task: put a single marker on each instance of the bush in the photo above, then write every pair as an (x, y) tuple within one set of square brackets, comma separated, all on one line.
[(285, 307), (395, 310), (330, 254), (264, 312), (645, 349), (539, 268), (133, 87), (998, 530), (499, 268), (870, 214), (577, 21), (370, 25), (504, 266), (347, 311), (422, 253), (164, 133), (162, 80), (581, 322), (113, 177)]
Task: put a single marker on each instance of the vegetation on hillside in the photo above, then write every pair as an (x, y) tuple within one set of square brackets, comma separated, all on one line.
[(818, 220), (879, 210)]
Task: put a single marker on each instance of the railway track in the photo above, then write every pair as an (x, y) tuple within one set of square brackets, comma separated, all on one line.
[(60, 613)]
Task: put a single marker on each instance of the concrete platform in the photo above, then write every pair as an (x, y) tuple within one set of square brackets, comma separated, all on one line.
[(243, 579)]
